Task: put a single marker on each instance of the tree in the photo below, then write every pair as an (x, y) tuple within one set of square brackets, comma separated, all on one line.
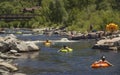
[(58, 12)]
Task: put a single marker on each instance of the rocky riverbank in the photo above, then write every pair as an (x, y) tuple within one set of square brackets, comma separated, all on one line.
[(10, 49), (108, 43)]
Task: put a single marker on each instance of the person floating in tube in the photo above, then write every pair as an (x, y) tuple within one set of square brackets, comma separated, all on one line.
[(103, 60)]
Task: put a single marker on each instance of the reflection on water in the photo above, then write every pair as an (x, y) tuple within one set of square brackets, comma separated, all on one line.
[(29, 55), (48, 61)]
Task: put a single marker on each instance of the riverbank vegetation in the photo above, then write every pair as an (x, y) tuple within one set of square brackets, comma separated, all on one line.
[(73, 14)]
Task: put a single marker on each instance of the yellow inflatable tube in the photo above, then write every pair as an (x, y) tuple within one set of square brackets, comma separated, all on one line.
[(47, 43)]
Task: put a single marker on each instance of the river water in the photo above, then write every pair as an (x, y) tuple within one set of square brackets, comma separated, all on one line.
[(47, 61)]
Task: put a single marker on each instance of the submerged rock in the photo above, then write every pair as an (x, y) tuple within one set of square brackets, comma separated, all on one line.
[(64, 40)]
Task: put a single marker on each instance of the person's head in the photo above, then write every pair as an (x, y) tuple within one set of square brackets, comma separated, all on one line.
[(103, 58), (64, 46), (47, 40)]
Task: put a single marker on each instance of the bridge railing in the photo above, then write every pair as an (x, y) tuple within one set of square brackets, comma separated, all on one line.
[(16, 16)]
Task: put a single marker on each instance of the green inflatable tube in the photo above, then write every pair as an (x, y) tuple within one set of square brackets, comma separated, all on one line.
[(66, 50)]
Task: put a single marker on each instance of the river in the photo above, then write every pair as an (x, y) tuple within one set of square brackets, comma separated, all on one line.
[(48, 61)]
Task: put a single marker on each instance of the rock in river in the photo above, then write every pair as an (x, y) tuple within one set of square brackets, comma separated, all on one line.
[(12, 43)]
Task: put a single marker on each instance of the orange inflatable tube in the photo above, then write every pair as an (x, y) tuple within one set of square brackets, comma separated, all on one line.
[(100, 65)]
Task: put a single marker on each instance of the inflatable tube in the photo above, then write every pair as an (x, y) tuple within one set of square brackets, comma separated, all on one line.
[(47, 43), (66, 50), (100, 65)]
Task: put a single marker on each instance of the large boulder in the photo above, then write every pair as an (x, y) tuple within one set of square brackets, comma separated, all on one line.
[(8, 66), (12, 43), (110, 44), (92, 35), (6, 56), (5, 42), (32, 46), (24, 46), (4, 47)]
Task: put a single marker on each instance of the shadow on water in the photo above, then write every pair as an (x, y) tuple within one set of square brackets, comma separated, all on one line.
[(50, 62)]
